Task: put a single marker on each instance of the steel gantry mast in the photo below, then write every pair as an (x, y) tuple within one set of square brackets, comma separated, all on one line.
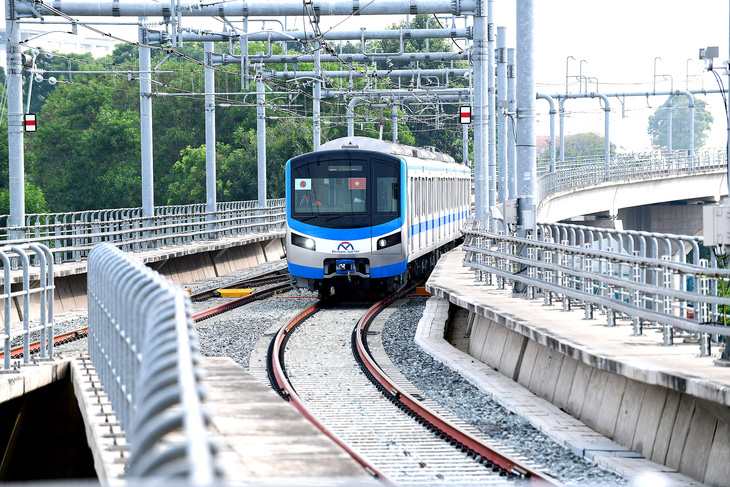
[(174, 14)]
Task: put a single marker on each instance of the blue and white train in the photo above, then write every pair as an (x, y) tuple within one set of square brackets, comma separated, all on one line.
[(363, 212)]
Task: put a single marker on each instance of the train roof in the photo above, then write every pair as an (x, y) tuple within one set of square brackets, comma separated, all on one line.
[(366, 143)]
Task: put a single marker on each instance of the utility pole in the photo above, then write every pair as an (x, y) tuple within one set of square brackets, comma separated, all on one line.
[(261, 139), (481, 199), (145, 118), (526, 172), (492, 133), (16, 151), (502, 120), (210, 169)]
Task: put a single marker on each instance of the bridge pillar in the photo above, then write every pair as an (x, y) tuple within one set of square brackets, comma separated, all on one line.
[(674, 219)]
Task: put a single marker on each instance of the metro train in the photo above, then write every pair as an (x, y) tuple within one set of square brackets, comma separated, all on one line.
[(362, 214)]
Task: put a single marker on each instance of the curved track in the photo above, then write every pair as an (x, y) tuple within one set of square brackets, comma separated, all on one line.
[(386, 429)]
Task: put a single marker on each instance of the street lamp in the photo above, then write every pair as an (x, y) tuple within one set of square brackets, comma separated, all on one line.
[(580, 74), (594, 80), (566, 72), (655, 60), (686, 74)]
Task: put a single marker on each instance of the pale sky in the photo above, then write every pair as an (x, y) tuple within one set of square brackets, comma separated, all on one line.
[(619, 41)]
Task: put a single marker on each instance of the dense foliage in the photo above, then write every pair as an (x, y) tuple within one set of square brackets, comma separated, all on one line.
[(86, 153), (659, 124)]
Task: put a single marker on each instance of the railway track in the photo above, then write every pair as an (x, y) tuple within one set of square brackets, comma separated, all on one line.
[(265, 285), (321, 363)]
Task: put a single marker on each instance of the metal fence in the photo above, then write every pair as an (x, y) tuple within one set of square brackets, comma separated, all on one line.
[(19, 256), (641, 276), (71, 236), (141, 342), (628, 167)]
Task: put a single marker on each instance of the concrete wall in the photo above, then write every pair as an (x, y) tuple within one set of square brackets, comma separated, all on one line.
[(70, 293), (677, 219), (668, 427)]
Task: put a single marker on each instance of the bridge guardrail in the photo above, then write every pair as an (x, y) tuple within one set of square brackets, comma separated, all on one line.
[(141, 342), (10, 256), (71, 236), (624, 273), (628, 167)]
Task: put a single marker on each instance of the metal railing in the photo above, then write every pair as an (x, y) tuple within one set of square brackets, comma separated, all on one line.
[(640, 276), (574, 175), (71, 236), (141, 342), (12, 256)]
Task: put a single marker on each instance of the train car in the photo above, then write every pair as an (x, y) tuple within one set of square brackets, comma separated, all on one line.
[(364, 212)]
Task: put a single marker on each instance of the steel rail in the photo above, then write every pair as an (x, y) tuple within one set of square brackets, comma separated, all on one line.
[(237, 303), (61, 338), (253, 282), (462, 440), (280, 383)]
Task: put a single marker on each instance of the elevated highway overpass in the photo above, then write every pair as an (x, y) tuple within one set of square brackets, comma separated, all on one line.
[(653, 193)]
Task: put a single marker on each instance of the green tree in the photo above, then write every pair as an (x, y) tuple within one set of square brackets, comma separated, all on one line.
[(659, 123), (86, 153), (35, 201), (237, 166), (588, 144)]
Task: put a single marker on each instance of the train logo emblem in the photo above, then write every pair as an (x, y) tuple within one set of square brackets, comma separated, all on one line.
[(345, 247)]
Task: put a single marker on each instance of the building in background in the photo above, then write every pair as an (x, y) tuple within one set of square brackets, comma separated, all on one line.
[(60, 42)]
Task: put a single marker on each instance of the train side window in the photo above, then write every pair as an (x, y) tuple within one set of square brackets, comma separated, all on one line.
[(421, 203)]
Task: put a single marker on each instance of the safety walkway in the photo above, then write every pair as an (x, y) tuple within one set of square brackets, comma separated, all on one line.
[(664, 404)]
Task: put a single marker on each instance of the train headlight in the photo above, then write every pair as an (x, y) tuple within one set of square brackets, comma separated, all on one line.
[(304, 242), (389, 241)]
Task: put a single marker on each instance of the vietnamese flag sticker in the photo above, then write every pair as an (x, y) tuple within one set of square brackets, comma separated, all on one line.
[(357, 183)]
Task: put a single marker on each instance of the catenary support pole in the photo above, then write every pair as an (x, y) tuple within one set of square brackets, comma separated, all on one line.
[(691, 106), (552, 128), (511, 149), (502, 118), (394, 122), (261, 139), (561, 109), (465, 144), (480, 116), (16, 151), (210, 169), (145, 115), (317, 96), (526, 171), (492, 134), (670, 107)]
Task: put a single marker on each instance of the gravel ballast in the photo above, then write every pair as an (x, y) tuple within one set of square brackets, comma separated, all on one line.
[(448, 388), (234, 334)]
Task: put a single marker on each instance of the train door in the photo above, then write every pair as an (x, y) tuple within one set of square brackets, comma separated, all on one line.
[(421, 212), (411, 214), (385, 208)]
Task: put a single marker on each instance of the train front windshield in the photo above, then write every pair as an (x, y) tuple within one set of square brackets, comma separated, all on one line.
[(345, 193)]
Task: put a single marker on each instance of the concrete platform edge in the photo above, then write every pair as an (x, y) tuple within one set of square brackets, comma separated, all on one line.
[(671, 379), (556, 424), (103, 433)]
